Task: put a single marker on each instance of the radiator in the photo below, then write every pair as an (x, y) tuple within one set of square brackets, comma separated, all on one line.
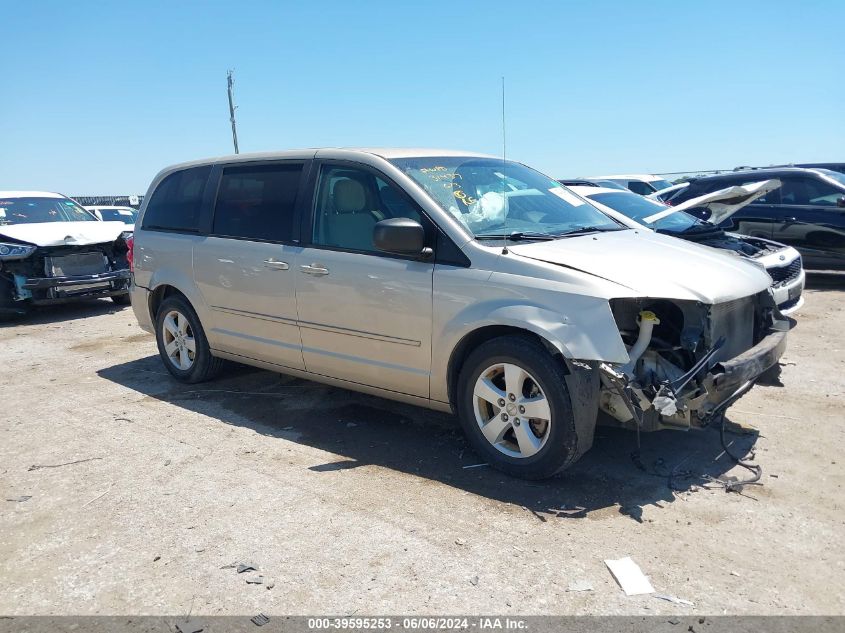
[(733, 320)]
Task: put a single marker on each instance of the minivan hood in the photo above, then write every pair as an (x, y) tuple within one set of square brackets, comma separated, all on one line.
[(654, 265), (64, 233)]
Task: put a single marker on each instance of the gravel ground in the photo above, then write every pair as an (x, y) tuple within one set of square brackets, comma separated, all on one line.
[(351, 504)]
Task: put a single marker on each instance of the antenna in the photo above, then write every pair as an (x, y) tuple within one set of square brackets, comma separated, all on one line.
[(230, 81), (504, 136), (504, 159)]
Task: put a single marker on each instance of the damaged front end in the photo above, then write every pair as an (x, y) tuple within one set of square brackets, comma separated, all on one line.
[(689, 360), (37, 275)]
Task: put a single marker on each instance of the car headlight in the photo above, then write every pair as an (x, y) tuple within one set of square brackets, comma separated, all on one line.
[(15, 251)]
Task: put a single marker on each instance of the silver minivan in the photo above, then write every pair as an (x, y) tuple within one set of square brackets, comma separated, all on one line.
[(450, 280)]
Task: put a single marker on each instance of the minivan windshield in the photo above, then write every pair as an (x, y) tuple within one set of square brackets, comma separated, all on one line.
[(492, 198), (32, 210)]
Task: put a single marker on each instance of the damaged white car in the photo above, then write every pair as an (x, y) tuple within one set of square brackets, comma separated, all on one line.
[(53, 251), (453, 281), (782, 262)]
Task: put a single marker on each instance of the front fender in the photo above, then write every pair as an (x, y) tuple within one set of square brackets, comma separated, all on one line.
[(584, 329), (585, 332)]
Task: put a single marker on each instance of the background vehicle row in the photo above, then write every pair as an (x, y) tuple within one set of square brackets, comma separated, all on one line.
[(806, 212)]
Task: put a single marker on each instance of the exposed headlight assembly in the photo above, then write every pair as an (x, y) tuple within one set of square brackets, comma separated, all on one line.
[(15, 251)]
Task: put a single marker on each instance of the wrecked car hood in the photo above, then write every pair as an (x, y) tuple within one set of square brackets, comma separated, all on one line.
[(654, 265), (64, 233), (723, 203)]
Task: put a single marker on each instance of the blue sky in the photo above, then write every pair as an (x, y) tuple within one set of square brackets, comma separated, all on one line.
[(100, 96)]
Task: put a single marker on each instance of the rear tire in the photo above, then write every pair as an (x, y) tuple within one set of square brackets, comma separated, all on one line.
[(182, 343), (514, 407), (121, 300)]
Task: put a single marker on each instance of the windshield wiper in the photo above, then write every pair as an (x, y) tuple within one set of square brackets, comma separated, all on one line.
[(520, 236), (589, 229)]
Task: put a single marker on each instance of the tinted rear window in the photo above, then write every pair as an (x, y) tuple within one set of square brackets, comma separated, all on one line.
[(257, 202), (177, 201)]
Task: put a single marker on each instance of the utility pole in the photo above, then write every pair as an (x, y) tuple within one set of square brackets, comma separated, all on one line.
[(231, 83)]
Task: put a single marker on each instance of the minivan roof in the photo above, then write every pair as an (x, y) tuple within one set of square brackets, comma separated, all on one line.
[(330, 152)]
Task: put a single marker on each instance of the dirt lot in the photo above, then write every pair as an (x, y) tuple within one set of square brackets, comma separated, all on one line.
[(353, 504)]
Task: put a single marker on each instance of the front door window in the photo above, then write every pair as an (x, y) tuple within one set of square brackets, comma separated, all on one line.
[(350, 202)]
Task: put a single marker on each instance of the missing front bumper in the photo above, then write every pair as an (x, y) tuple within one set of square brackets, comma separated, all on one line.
[(631, 405)]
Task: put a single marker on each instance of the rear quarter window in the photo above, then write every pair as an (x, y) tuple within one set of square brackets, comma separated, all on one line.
[(176, 203)]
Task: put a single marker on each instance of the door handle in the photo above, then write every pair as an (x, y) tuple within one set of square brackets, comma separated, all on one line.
[(275, 264), (314, 269)]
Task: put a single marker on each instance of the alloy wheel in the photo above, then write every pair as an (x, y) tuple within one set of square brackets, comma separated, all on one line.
[(178, 338), (511, 410)]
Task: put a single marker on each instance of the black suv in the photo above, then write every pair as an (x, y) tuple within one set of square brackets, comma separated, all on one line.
[(807, 211)]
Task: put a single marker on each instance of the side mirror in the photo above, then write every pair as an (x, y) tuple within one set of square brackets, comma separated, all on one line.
[(401, 236), (840, 202)]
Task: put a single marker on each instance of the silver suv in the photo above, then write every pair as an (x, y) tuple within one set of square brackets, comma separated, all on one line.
[(449, 280)]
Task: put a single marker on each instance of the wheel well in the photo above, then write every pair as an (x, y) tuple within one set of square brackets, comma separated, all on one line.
[(160, 294), (480, 336)]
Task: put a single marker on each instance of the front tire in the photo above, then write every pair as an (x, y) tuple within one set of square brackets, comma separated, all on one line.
[(182, 344), (514, 407)]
